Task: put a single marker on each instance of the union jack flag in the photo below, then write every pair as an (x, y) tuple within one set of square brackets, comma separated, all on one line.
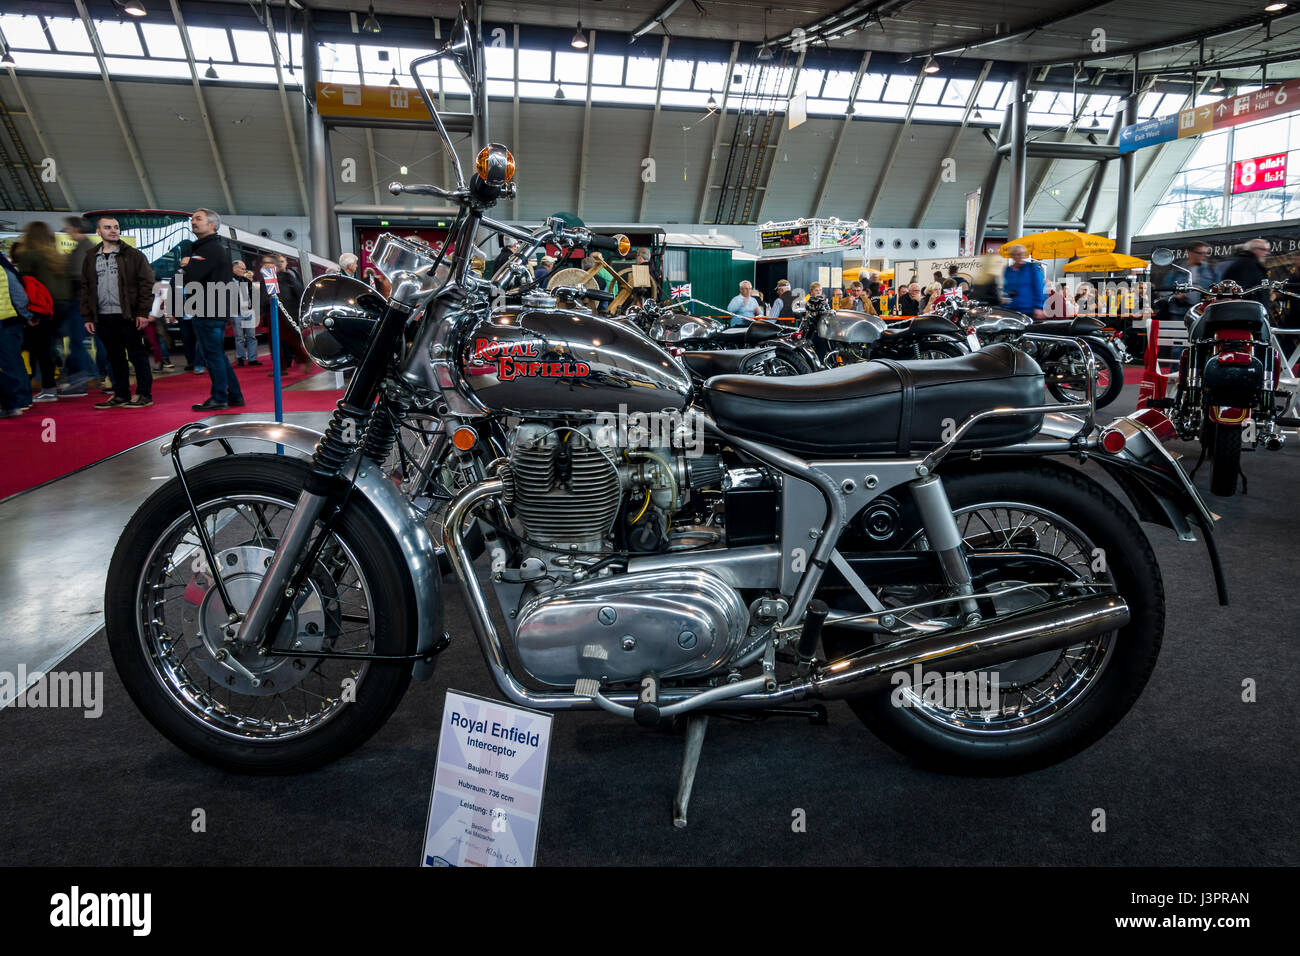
[(682, 291)]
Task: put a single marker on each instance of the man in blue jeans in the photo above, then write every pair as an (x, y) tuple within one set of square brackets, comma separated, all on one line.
[(209, 279)]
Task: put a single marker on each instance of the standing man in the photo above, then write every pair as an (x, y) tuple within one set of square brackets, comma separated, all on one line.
[(246, 323), (116, 297), (1247, 269), (1202, 276), (77, 366), (1023, 283), (209, 279), (745, 305)]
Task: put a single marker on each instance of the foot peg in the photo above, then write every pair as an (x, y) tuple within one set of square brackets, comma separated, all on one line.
[(646, 713)]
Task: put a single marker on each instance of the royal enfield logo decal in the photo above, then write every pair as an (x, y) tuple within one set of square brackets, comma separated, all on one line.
[(512, 360)]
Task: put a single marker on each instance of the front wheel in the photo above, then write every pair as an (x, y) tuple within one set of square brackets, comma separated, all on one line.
[(167, 628), (1225, 442), (1033, 712)]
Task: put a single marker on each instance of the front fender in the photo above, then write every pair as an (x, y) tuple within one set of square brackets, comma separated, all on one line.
[(407, 529)]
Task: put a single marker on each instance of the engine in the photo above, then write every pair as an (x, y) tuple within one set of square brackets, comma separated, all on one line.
[(581, 493)]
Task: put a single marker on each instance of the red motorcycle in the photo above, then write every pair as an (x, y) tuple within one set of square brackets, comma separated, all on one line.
[(1230, 375)]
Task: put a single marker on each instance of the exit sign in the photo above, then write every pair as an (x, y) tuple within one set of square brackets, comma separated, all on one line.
[(1262, 172)]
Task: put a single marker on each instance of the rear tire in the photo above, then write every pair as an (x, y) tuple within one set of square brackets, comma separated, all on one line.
[(1226, 466), (158, 642), (1110, 376), (1068, 724), (774, 360)]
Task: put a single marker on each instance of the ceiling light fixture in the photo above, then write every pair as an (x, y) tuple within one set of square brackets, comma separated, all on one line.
[(134, 7), (1217, 86), (559, 92), (712, 103), (1080, 72), (1275, 7), (931, 66), (211, 71), (979, 115), (579, 41), (393, 81), (764, 52), (402, 170), (370, 24), (8, 58)]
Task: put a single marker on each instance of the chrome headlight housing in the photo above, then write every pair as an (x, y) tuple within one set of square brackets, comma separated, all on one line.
[(336, 317)]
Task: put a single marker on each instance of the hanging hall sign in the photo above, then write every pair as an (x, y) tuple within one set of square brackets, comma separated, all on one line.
[(370, 102), (1262, 172), (1276, 100)]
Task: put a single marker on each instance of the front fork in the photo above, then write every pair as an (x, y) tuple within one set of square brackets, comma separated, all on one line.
[(325, 490)]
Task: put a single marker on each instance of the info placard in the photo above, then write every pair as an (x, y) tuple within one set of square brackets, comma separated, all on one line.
[(487, 788)]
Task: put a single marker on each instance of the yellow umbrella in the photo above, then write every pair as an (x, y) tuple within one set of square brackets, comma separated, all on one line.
[(886, 276), (1106, 262), (1060, 244)]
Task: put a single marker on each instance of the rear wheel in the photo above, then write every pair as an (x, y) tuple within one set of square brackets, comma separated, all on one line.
[(1067, 385), (1045, 708), (167, 626), (1225, 443), (939, 349), (775, 361)]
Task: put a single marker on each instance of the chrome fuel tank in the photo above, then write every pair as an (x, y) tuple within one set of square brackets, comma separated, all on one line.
[(989, 319), (853, 328), (673, 327), (530, 361)]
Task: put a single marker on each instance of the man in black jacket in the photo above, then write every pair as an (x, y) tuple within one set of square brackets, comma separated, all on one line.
[(1247, 269), (116, 297), (209, 291)]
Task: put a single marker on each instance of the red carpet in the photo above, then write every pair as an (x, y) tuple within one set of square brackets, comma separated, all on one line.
[(52, 439), (1133, 376)]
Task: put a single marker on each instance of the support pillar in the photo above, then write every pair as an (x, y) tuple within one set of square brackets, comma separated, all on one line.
[(320, 166), (1124, 198), (1019, 157), (991, 182)]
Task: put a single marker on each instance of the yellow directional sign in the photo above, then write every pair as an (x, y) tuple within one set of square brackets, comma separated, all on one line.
[(369, 102)]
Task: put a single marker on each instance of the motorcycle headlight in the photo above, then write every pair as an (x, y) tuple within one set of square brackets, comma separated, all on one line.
[(336, 318)]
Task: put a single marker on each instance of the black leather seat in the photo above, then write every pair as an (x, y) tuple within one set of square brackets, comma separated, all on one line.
[(1243, 314), (722, 362), (883, 407), (755, 333), (1079, 325)]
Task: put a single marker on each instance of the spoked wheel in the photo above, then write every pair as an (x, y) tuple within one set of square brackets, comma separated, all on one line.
[(170, 636), (1067, 384), (775, 362), (1029, 713), (939, 349)]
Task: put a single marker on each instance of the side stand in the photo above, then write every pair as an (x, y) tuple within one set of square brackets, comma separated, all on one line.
[(696, 724)]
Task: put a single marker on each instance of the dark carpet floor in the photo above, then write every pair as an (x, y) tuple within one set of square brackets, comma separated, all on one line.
[(1193, 776)]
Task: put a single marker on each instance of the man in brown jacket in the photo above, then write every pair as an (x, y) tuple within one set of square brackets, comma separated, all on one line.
[(116, 296)]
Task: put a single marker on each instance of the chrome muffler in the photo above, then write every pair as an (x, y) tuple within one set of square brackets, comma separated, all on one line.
[(1003, 639)]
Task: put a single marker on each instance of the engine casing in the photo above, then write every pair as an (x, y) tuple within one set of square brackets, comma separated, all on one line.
[(673, 624)]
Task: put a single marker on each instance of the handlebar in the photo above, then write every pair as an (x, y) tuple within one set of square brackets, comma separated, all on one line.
[(425, 189), (604, 243)]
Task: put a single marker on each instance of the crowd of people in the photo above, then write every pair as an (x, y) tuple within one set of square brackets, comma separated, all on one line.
[(90, 317)]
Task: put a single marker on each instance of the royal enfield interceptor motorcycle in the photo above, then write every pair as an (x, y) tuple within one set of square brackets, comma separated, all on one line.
[(1061, 363), (818, 538), (1230, 391)]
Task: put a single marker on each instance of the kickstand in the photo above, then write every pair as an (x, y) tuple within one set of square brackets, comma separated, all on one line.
[(696, 724)]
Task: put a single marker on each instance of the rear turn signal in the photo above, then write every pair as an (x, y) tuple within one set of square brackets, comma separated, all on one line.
[(464, 438), (624, 244)]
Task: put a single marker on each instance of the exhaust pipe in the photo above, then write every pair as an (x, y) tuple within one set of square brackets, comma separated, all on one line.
[(1004, 639)]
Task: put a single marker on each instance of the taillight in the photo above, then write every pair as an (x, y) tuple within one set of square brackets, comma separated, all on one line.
[(1233, 358), (1112, 439)]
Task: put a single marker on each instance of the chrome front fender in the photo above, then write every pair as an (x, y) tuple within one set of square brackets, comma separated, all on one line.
[(407, 529)]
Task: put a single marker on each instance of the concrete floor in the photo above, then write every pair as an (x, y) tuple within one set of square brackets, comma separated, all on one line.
[(57, 542)]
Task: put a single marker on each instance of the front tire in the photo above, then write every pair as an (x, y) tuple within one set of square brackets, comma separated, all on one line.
[(164, 621), (1066, 699)]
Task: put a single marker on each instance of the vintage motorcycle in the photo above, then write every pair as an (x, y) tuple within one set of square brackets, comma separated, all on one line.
[(1231, 377), (843, 336), (1061, 363), (786, 541)]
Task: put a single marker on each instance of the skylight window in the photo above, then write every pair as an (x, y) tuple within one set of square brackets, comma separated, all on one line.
[(209, 42), (252, 46), (23, 33), (118, 39), (69, 35), (163, 40)]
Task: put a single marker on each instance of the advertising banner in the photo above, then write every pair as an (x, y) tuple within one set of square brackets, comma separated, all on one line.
[(487, 790), (1262, 172), (1276, 100), (809, 235), (972, 218)]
